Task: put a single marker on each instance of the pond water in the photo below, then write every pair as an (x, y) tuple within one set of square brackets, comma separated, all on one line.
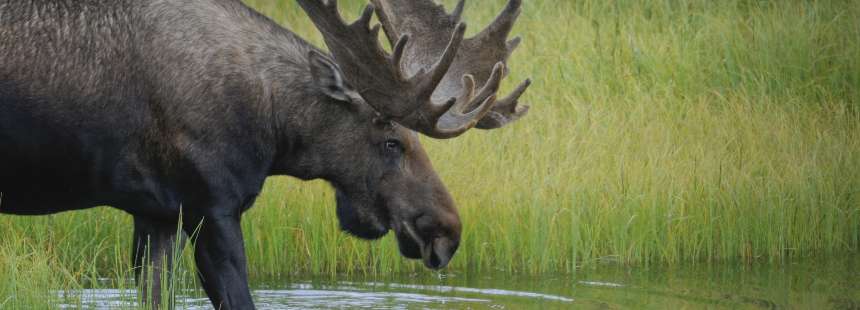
[(811, 283)]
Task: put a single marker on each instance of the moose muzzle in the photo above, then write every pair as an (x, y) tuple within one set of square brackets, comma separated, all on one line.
[(434, 250)]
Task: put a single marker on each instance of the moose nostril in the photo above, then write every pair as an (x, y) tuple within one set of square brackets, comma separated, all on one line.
[(440, 254), (435, 260), (436, 252)]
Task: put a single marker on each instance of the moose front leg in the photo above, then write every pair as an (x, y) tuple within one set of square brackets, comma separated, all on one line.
[(153, 246), (220, 257)]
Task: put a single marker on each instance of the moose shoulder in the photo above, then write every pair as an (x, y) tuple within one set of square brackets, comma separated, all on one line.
[(150, 106)]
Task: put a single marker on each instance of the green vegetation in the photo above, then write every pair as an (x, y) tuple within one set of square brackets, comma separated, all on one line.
[(661, 132)]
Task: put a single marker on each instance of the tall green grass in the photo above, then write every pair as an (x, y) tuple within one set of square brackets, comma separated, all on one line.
[(661, 132)]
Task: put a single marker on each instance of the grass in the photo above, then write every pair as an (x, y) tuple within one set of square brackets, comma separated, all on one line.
[(661, 132)]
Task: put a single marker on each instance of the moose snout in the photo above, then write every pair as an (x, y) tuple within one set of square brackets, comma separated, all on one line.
[(440, 252), (435, 252)]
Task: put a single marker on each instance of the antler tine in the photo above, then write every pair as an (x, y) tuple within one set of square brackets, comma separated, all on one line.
[(513, 44), (455, 121), (519, 91), (441, 67), (427, 81), (399, 48), (492, 85), (366, 15), (506, 110), (451, 119), (504, 22), (457, 13), (452, 125)]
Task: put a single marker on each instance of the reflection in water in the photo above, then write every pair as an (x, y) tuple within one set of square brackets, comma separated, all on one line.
[(454, 289), (304, 296), (812, 283), (598, 283), (309, 296), (101, 299)]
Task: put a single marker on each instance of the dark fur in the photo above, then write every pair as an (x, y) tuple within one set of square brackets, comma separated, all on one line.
[(150, 106)]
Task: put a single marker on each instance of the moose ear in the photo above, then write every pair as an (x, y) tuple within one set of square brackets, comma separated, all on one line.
[(328, 77)]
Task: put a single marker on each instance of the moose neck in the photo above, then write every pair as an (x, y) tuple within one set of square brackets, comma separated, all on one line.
[(276, 72), (300, 112)]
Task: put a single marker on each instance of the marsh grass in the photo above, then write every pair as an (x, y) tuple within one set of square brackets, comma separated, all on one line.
[(661, 132)]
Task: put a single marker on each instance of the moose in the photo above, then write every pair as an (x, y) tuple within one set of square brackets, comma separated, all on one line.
[(176, 112)]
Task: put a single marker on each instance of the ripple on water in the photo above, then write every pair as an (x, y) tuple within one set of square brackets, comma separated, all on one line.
[(349, 295), (456, 289)]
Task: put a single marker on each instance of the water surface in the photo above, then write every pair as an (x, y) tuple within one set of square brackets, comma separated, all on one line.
[(810, 283)]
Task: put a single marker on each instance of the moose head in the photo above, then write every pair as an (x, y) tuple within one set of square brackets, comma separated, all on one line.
[(427, 84)]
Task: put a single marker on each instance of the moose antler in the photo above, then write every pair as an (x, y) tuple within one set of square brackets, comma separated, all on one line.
[(431, 25), (412, 97)]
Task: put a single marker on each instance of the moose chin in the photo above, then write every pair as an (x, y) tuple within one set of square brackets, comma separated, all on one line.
[(177, 111)]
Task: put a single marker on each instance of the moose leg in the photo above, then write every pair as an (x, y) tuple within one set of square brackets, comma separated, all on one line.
[(220, 256), (152, 255)]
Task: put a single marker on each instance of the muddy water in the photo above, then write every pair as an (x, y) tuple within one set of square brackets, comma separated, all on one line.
[(807, 284)]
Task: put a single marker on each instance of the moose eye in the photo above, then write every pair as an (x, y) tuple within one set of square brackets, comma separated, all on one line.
[(393, 146)]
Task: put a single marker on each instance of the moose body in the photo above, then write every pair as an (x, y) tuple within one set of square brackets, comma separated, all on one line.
[(172, 109), (141, 105)]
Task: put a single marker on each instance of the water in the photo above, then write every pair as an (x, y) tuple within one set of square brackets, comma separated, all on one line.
[(819, 284)]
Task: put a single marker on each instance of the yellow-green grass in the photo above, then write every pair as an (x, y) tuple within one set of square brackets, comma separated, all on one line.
[(661, 132)]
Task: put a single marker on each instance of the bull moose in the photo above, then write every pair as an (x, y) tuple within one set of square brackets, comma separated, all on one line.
[(176, 111)]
